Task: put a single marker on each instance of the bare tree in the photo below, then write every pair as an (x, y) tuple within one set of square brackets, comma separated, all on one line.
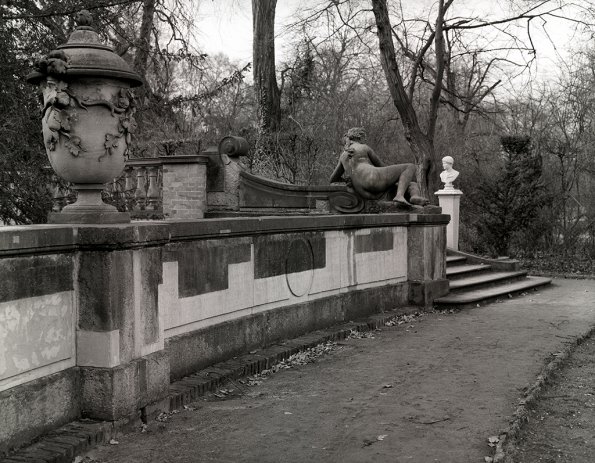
[(265, 80), (446, 61)]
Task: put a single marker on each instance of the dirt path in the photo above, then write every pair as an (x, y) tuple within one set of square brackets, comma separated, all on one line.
[(561, 426), (430, 391)]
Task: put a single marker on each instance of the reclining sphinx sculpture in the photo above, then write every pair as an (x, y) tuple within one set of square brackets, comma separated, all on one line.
[(361, 182), (365, 173)]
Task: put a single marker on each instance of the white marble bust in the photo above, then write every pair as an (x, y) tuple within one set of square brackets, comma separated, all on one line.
[(448, 175)]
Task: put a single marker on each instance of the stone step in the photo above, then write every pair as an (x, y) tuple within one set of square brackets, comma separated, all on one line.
[(476, 297), (455, 259), (485, 280), (461, 271)]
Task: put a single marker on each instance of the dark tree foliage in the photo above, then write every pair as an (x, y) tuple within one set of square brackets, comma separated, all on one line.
[(149, 34), (509, 201), (24, 177)]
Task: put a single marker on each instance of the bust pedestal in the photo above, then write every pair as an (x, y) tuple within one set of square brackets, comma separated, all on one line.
[(449, 199)]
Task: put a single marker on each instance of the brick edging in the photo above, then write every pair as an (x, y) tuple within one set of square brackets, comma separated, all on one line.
[(67, 442), (73, 439)]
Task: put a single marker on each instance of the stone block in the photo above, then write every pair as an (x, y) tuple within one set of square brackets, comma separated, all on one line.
[(51, 274), (36, 407), (426, 247), (106, 296), (116, 393), (423, 293)]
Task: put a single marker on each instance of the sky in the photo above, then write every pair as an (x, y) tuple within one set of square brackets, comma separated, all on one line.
[(226, 26)]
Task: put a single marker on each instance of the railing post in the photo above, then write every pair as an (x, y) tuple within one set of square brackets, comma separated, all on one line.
[(449, 199), (140, 195), (153, 192), (184, 186)]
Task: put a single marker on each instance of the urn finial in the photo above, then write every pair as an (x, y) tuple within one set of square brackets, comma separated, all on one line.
[(83, 19)]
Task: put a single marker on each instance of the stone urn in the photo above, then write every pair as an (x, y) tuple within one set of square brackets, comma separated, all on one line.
[(87, 120)]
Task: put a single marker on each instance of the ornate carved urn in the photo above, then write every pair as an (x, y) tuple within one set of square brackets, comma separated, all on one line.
[(87, 119)]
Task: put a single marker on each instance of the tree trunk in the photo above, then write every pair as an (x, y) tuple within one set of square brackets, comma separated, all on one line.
[(421, 145), (265, 81), (141, 57)]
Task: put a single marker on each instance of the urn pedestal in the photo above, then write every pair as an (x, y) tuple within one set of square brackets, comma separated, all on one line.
[(450, 199)]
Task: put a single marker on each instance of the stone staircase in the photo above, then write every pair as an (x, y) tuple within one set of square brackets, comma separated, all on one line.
[(476, 281)]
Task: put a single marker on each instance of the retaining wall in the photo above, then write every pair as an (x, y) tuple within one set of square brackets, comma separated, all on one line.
[(96, 320)]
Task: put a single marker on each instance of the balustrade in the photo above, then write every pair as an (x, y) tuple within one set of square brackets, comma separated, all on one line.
[(139, 190)]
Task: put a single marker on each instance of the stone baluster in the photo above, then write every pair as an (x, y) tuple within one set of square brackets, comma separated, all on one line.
[(129, 181), (140, 195), (153, 191), (129, 188)]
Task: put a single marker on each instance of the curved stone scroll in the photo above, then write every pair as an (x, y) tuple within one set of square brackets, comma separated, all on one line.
[(346, 202)]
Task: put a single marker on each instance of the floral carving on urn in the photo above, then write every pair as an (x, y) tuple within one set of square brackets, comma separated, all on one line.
[(87, 120)]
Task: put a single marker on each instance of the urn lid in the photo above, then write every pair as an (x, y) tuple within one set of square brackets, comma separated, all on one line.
[(84, 55)]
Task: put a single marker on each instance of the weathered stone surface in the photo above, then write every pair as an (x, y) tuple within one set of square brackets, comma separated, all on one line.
[(280, 254), (32, 239), (426, 266), (423, 293), (259, 193), (50, 274), (196, 350), (427, 253), (105, 293), (36, 337), (89, 217), (150, 265), (377, 240), (383, 207), (203, 266), (115, 393), (38, 406)]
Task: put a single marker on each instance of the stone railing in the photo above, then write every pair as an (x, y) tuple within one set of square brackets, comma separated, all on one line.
[(139, 190), (167, 187)]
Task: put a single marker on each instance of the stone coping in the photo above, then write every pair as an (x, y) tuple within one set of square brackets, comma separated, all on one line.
[(44, 239)]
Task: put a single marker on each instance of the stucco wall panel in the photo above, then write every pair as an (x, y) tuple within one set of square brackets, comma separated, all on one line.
[(35, 333)]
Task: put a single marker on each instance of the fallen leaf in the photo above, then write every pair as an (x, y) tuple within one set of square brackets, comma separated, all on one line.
[(381, 437)]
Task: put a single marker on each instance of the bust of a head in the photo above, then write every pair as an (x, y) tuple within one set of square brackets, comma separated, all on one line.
[(448, 175)]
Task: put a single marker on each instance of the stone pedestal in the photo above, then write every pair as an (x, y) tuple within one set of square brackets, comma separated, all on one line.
[(119, 339), (184, 186), (89, 208), (450, 199), (426, 264)]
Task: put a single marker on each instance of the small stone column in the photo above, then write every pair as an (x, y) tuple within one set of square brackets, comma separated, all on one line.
[(184, 186), (449, 199)]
